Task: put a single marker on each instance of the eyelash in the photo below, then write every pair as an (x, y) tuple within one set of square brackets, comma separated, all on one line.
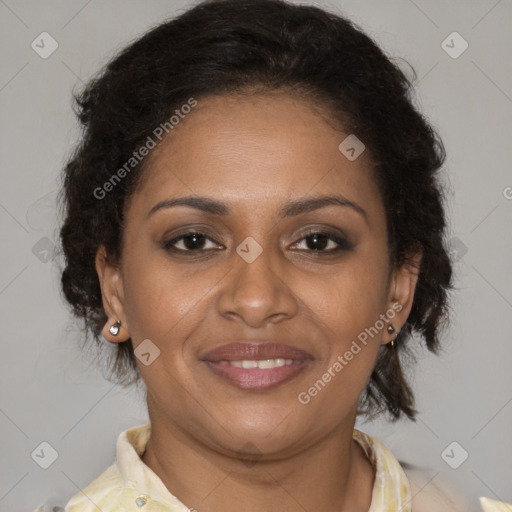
[(343, 244)]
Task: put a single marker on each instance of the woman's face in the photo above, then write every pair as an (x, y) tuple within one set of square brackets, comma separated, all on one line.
[(253, 276)]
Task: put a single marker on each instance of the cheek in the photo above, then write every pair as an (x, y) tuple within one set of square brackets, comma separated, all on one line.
[(165, 301), (347, 310), (352, 299)]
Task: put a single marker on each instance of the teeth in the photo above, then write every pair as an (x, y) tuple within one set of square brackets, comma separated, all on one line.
[(263, 364), (269, 363)]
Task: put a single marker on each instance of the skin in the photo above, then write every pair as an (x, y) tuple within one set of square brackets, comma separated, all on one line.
[(255, 154)]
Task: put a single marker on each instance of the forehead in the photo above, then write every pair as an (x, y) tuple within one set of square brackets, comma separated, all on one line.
[(253, 151)]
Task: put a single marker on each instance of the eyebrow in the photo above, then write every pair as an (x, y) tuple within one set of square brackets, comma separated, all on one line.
[(291, 209)]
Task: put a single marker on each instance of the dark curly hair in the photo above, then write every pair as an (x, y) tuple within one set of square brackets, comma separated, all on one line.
[(240, 46)]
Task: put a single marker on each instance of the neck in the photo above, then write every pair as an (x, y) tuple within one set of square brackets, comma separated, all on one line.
[(332, 475)]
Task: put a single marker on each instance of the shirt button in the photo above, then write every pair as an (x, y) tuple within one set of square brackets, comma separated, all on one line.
[(141, 501)]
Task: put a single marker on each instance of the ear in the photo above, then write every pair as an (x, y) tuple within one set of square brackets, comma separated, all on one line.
[(401, 292), (112, 295)]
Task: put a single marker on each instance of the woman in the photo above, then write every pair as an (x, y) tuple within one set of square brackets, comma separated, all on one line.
[(253, 220)]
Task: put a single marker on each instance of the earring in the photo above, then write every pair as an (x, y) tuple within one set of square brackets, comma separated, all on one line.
[(114, 328), (391, 330)]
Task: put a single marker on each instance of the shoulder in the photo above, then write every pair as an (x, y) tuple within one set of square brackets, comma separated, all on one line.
[(420, 489), (423, 489), (117, 482), (100, 493), (430, 491)]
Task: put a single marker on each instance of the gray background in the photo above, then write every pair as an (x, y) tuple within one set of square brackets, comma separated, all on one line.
[(51, 392)]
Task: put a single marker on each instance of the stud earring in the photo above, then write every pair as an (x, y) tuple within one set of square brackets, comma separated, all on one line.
[(391, 330), (114, 328)]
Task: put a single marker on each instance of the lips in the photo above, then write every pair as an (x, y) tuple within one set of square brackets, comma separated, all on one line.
[(256, 365)]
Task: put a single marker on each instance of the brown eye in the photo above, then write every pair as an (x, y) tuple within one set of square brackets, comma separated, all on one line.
[(320, 241), (192, 241)]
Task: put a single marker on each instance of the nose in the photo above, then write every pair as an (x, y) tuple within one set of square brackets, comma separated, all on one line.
[(258, 292)]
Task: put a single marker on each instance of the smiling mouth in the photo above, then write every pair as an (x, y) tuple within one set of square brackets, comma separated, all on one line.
[(256, 366)]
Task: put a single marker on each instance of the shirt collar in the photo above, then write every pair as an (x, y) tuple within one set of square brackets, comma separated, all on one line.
[(135, 474), (391, 489)]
